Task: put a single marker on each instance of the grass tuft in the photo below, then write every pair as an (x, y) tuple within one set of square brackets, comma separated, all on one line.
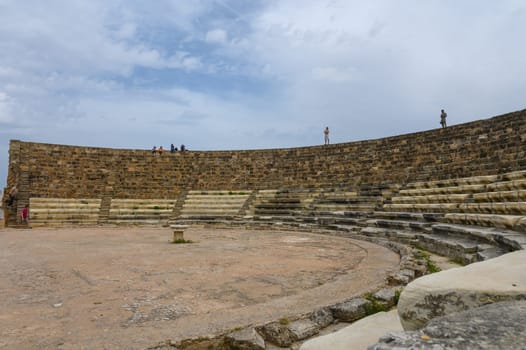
[(182, 241)]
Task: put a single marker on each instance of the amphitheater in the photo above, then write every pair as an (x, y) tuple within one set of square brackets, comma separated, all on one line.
[(283, 243)]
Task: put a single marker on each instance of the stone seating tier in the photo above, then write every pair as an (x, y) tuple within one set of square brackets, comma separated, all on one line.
[(63, 212), (140, 211)]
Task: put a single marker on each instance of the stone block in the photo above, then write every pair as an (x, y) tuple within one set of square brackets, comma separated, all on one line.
[(351, 310), (322, 317), (495, 326), (277, 333), (245, 339), (386, 296), (358, 335), (303, 329), (499, 279)]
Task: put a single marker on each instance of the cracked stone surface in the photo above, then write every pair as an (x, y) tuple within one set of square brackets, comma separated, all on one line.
[(498, 326), (130, 288), (462, 288)]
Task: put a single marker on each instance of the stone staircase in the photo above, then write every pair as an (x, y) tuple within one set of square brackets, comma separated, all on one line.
[(63, 212)]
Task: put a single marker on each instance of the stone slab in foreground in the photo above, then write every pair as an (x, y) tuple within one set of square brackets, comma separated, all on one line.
[(499, 279), (498, 326), (359, 335)]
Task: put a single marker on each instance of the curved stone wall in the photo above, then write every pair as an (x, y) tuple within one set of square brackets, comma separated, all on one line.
[(489, 146)]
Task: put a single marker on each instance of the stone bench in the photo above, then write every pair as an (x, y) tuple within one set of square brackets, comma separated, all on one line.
[(474, 180), (435, 198), (511, 222), (423, 207), (442, 190), (140, 211), (63, 211)]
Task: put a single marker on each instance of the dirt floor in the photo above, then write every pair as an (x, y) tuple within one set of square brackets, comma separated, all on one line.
[(130, 288)]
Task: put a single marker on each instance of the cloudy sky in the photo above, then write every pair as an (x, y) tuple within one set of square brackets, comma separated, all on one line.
[(247, 74)]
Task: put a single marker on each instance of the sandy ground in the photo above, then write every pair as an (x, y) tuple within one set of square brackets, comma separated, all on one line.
[(130, 288)]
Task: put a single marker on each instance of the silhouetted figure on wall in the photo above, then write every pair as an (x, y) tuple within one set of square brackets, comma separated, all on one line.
[(326, 133), (443, 116)]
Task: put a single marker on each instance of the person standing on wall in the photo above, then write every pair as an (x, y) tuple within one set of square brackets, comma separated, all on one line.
[(326, 132), (12, 195), (443, 116)]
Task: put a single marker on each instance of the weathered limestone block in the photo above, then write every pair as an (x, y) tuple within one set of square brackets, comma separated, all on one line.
[(386, 296), (495, 326), (521, 225), (303, 329), (358, 335), (492, 220), (322, 317), (499, 279), (351, 310), (245, 339), (277, 333)]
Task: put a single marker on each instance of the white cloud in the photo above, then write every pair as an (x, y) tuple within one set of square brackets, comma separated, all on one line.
[(227, 74), (216, 36), (126, 31), (5, 108)]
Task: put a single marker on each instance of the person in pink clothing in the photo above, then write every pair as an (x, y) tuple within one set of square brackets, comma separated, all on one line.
[(24, 214)]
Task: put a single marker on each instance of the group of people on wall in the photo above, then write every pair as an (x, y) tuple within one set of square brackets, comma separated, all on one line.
[(161, 151)]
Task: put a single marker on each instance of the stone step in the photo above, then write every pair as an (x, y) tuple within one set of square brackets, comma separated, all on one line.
[(212, 205), (220, 193), (474, 180), (519, 184), (115, 211), (511, 222), (349, 200), (500, 196), (439, 198), (399, 224), (276, 211), (269, 205), (460, 249), (507, 239), (61, 216), (334, 220), (469, 189), (510, 208), (515, 175), (406, 237), (193, 200), (277, 201), (61, 223), (47, 210), (63, 205), (139, 216), (395, 215), (423, 207), (116, 201), (137, 222), (205, 217), (209, 211)]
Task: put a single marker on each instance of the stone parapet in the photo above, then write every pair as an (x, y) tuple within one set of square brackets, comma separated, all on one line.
[(485, 147)]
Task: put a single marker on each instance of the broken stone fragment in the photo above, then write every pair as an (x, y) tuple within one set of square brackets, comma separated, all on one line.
[(245, 339)]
